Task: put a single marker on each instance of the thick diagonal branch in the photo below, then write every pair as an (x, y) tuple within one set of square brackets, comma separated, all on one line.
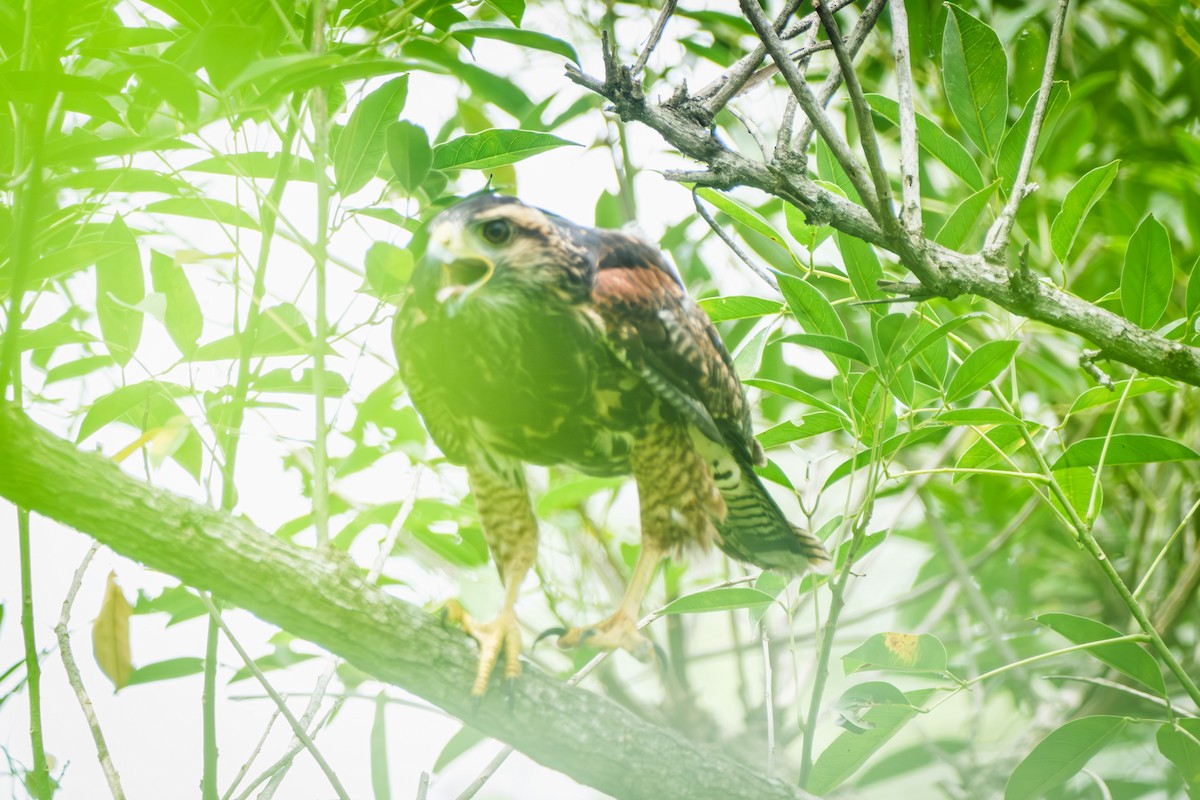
[(327, 600), (910, 164)]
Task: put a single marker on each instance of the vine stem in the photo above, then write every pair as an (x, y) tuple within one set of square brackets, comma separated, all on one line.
[(73, 677), (1083, 535), (320, 117)]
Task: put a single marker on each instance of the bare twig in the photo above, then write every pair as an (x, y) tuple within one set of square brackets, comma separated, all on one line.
[(276, 698), (866, 121), (768, 701), (833, 82), (998, 235), (804, 96), (767, 277), (910, 164), (249, 762), (76, 681), (717, 94), (1087, 362), (655, 34), (423, 786)]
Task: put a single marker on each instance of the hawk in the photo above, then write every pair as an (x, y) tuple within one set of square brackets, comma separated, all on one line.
[(527, 338)]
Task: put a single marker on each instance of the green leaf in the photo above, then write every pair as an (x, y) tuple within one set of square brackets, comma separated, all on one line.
[(203, 208), (846, 754), (1180, 748), (1102, 395), (123, 179), (1125, 448), (77, 368), (467, 32), (887, 448), (166, 670), (409, 154), (53, 335), (513, 9), (1191, 303), (810, 425), (933, 140), (978, 416), (494, 148), (120, 284), (793, 393), (987, 449), (282, 331), (361, 146), (1148, 274), (145, 407), (975, 73), (466, 738), (388, 269), (858, 700), (862, 266), (184, 322), (939, 333), (982, 366), (899, 652), (1079, 201), (720, 309), (748, 356), (1013, 147), (958, 226), (282, 381), (380, 782), (1061, 755), (814, 313), (1077, 484), (741, 214), (1126, 657), (723, 599), (833, 345), (572, 495), (264, 166)]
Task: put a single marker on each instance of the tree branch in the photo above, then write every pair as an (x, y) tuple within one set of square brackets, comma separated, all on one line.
[(910, 162), (866, 122), (943, 272), (655, 34), (815, 112), (997, 236), (324, 598)]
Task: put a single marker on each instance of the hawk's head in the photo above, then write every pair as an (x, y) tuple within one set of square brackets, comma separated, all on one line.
[(498, 247)]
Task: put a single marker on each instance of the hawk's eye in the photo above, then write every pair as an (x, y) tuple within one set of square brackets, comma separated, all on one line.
[(497, 231)]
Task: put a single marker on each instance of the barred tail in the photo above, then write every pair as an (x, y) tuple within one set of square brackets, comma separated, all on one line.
[(755, 529)]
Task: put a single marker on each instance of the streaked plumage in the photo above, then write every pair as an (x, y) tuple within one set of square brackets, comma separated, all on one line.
[(527, 338)]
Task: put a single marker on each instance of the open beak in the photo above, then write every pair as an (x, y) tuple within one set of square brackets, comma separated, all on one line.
[(460, 275)]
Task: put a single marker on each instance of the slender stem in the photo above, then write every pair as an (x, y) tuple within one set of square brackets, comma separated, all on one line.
[(1084, 535), (833, 81), (1166, 546), (320, 117), (768, 701), (717, 94), (40, 776), (766, 276), (1036, 477), (208, 780), (423, 787), (249, 762), (862, 113), (910, 162), (76, 681), (655, 34), (1131, 637), (1112, 428), (998, 235), (280, 703), (286, 759)]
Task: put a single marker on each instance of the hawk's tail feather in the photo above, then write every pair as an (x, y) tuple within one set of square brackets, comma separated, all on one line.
[(755, 529)]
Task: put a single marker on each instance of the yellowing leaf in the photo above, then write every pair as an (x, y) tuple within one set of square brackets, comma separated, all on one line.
[(110, 635)]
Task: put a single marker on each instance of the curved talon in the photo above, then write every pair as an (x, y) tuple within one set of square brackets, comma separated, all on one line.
[(555, 631)]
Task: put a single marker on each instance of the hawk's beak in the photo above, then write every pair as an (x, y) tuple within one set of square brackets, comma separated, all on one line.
[(461, 272)]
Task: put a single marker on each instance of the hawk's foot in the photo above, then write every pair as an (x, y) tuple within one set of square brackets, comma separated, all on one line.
[(618, 632), (501, 634)]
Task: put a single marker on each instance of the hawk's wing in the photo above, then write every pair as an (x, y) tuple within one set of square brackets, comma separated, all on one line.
[(658, 330)]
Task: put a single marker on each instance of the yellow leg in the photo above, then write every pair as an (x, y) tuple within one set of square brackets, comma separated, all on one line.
[(502, 634), (620, 630)]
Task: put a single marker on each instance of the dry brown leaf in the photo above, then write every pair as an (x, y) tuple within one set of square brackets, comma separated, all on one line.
[(110, 635)]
